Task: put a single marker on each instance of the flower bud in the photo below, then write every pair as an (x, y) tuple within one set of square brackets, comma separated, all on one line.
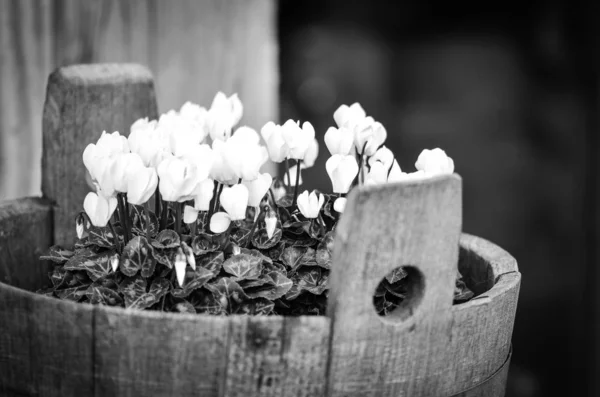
[(99, 208), (342, 170), (235, 200), (189, 254), (339, 204), (180, 265), (310, 205), (258, 188), (434, 162), (270, 223), (219, 222)]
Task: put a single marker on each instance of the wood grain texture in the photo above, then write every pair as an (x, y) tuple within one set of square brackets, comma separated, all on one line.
[(82, 102), (25, 233), (441, 349), (159, 354), (277, 356), (193, 48)]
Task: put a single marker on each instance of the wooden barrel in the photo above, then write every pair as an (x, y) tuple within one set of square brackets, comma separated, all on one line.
[(427, 347)]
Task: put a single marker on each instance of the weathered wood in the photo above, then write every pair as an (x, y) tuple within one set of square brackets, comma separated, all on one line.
[(439, 349), (25, 233), (82, 102), (159, 354), (277, 356), (194, 49)]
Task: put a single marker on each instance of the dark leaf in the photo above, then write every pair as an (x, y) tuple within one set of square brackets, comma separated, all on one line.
[(262, 241), (80, 256), (205, 243), (396, 275), (243, 266), (74, 294), (275, 252), (165, 256), (183, 306), (194, 279), (212, 261), (241, 235), (311, 279), (286, 201), (166, 239), (137, 255), (255, 307), (324, 251), (103, 296), (294, 257), (142, 302), (279, 287), (257, 254), (96, 266), (133, 289), (205, 302), (227, 292), (159, 287), (140, 220), (101, 237), (57, 254)]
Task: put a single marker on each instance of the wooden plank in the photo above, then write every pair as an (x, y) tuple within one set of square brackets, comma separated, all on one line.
[(277, 356), (383, 227), (152, 353), (82, 101), (25, 234), (194, 49), (495, 385)]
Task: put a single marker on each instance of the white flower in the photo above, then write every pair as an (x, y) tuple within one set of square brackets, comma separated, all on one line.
[(235, 200), (190, 214), (221, 170), (339, 204), (270, 223), (396, 173), (293, 174), (223, 115), (383, 155), (178, 179), (147, 142), (244, 155), (369, 135), (196, 116), (114, 143), (339, 140), (258, 188), (202, 157), (273, 136), (311, 154), (123, 168), (342, 170), (310, 205), (182, 133), (219, 222), (203, 195), (349, 116), (99, 208), (298, 139), (180, 265), (434, 162), (378, 174), (141, 185)]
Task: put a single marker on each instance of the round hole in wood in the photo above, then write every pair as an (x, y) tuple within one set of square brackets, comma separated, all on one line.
[(399, 293)]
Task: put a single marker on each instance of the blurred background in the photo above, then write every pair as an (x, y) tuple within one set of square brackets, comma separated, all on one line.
[(508, 90)]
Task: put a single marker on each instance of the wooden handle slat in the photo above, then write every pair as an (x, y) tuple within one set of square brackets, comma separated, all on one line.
[(81, 102), (383, 227)]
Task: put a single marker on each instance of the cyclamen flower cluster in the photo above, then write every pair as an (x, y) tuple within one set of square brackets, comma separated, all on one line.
[(194, 163)]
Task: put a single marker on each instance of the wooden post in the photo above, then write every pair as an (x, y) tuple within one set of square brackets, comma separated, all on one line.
[(81, 102)]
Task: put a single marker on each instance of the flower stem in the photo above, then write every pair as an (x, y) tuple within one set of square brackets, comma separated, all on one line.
[(115, 236), (178, 208), (147, 210), (157, 202), (297, 182), (287, 171), (218, 202), (273, 198), (163, 216), (123, 216), (211, 205)]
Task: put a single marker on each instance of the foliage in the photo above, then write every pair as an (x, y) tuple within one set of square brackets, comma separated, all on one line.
[(240, 271)]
